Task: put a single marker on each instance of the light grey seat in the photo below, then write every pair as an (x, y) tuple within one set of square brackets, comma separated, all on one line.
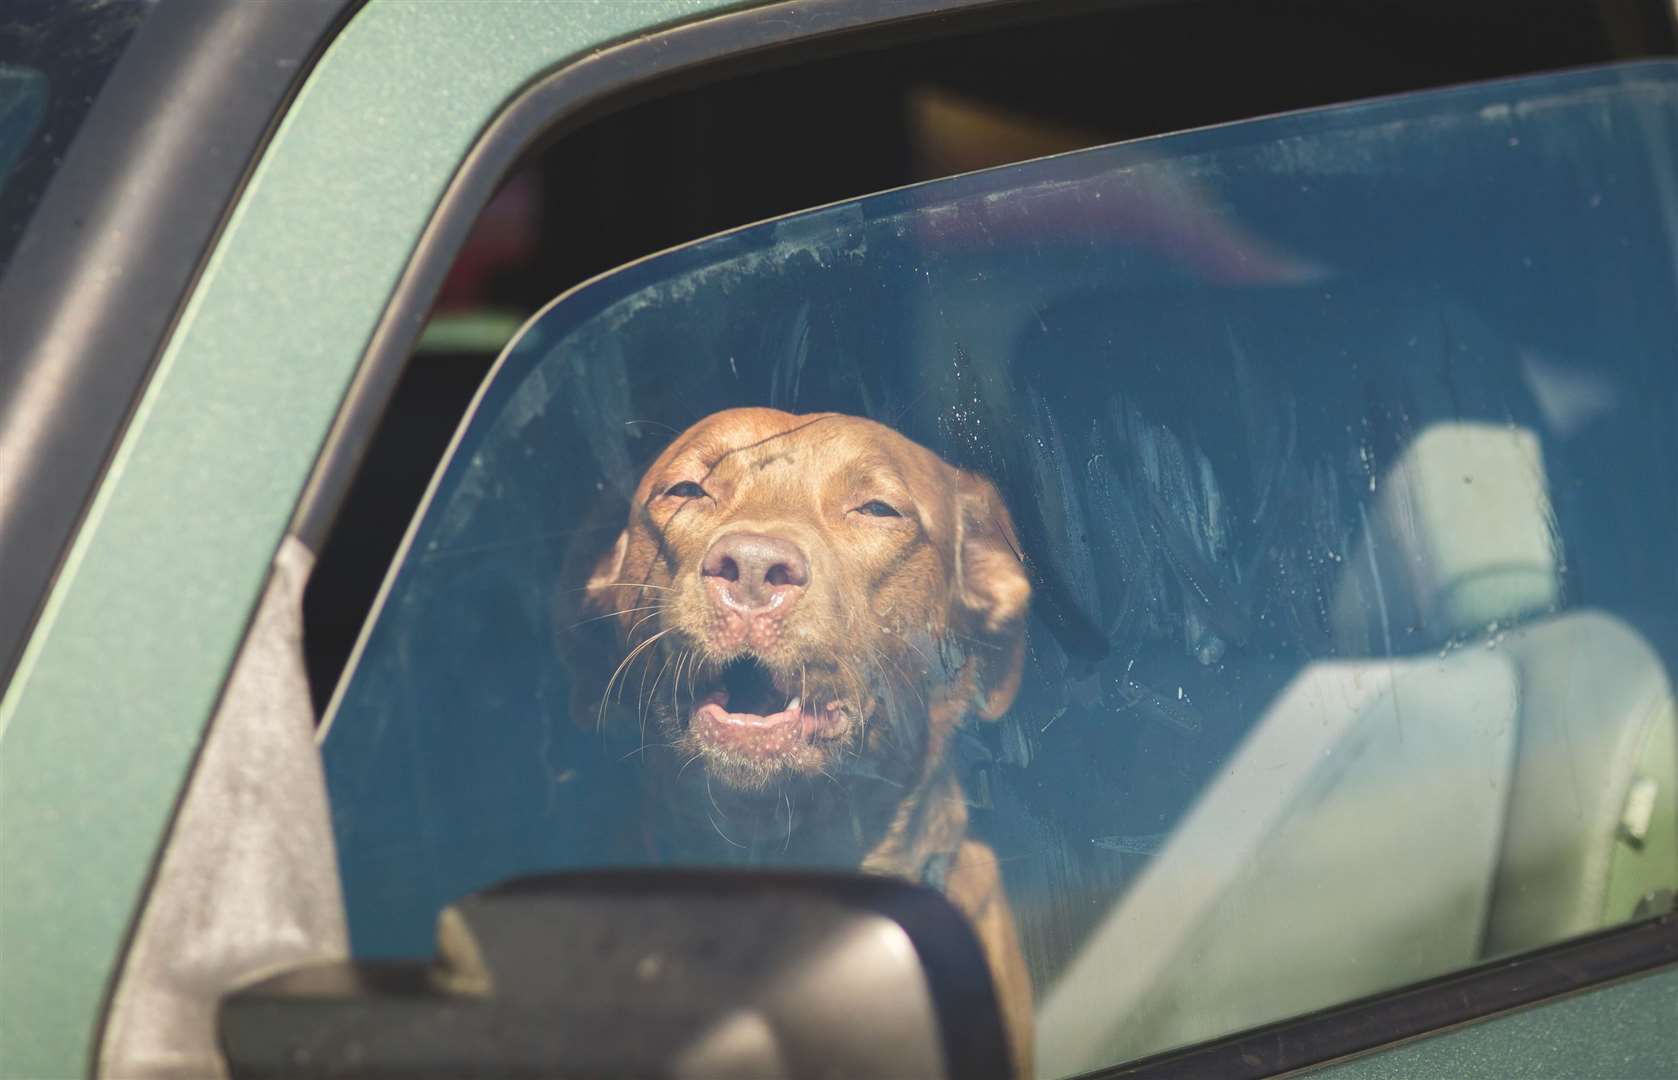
[(1464, 538), (1348, 846), (1592, 829), (1506, 784)]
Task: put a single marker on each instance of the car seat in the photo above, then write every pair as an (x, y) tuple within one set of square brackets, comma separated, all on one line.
[(1392, 818)]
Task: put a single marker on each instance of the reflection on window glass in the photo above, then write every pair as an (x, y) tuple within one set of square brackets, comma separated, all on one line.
[(55, 56), (23, 95), (1236, 568)]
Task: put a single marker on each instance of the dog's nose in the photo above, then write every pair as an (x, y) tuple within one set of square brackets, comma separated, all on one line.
[(754, 570)]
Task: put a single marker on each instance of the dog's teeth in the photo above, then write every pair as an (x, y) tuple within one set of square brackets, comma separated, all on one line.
[(792, 706)]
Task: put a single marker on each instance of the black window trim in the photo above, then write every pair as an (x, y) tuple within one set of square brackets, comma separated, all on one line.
[(755, 38)]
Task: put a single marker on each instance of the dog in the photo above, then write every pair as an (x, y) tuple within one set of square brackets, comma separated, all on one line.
[(821, 603)]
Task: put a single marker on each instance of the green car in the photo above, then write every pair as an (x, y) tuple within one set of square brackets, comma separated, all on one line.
[(917, 538)]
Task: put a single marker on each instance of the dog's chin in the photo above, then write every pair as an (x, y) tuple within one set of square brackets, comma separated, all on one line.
[(752, 727)]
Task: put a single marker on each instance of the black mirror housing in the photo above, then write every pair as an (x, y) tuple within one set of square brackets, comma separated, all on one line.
[(668, 973)]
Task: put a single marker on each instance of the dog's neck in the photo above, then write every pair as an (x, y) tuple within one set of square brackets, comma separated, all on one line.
[(861, 817)]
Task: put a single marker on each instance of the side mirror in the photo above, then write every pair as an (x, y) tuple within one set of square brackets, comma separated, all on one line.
[(689, 973)]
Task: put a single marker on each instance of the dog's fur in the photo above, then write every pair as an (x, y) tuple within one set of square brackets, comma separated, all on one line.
[(878, 586)]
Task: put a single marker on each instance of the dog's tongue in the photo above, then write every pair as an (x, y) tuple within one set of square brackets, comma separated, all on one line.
[(714, 708)]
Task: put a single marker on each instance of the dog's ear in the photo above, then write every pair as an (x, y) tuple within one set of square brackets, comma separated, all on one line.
[(992, 591), (608, 571)]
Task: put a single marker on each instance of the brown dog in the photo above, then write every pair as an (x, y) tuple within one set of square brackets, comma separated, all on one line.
[(822, 603)]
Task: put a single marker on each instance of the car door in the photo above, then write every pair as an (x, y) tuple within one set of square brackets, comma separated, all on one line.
[(291, 340)]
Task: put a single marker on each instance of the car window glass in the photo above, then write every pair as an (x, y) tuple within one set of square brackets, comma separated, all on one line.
[(22, 99), (54, 57), (1234, 566)]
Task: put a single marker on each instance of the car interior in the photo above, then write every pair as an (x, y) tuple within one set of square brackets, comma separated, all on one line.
[(1335, 668)]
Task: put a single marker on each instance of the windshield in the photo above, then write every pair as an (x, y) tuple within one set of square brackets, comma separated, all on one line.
[(1236, 567)]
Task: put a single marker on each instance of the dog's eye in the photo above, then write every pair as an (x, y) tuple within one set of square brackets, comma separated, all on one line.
[(687, 489), (876, 508)]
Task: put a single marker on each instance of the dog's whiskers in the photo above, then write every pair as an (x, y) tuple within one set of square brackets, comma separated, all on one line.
[(904, 675), (685, 660), (623, 665), (623, 585), (644, 747), (647, 700), (614, 614), (722, 834), (642, 620)]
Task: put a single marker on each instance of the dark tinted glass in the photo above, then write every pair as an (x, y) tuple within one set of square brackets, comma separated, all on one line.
[(54, 57)]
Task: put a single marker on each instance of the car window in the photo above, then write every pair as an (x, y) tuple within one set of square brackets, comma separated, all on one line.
[(1234, 567), (54, 57), (22, 97)]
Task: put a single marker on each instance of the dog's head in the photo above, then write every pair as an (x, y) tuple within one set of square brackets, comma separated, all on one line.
[(808, 587)]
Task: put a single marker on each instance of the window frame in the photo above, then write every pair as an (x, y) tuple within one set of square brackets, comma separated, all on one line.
[(80, 345)]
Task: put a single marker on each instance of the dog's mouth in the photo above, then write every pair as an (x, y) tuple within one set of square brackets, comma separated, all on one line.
[(750, 713), (749, 696)]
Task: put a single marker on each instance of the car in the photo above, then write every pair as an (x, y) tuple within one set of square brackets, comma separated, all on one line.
[(1330, 402)]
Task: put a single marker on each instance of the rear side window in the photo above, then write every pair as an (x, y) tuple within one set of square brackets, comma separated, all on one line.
[(1236, 567)]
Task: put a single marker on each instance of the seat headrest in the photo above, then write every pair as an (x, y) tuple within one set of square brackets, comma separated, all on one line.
[(1459, 535)]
